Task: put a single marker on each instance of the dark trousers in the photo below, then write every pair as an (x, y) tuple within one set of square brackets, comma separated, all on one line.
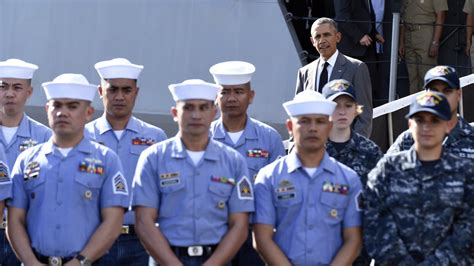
[(126, 251), (7, 256)]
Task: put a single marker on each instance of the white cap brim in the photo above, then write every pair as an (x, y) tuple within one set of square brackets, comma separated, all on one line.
[(232, 72), (118, 68), (70, 86), (15, 68), (194, 89), (294, 109)]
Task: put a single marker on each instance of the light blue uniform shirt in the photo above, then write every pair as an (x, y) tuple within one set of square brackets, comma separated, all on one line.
[(136, 137), (309, 213), (5, 181), (63, 196), (29, 134), (260, 144), (194, 202)]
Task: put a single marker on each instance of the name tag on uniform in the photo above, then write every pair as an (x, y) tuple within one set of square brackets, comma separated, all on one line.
[(169, 179), (93, 166), (32, 170), (27, 144), (258, 153), (335, 188), (143, 141)]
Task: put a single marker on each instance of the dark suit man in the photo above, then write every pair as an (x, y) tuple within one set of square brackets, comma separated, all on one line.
[(325, 37), (356, 23)]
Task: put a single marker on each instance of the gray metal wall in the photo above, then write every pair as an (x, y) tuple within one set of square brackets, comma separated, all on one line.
[(174, 39)]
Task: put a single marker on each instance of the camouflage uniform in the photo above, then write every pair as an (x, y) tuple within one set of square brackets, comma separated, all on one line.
[(459, 142), (360, 154), (419, 214)]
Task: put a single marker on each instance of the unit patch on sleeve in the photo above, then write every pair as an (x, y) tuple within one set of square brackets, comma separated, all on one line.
[(359, 201), (245, 190), (120, 184), (4, 173)]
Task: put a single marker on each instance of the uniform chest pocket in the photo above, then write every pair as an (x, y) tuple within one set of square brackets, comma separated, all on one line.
[(172, 198), (137, 149), (287, 199), (89, 185), (333, 207), (221, 191), (33, 183)]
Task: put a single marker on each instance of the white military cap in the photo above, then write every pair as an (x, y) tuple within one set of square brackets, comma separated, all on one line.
[(309, 102), (70, 86), (118, 68), (232, 72), (194, 89), (16, 68)]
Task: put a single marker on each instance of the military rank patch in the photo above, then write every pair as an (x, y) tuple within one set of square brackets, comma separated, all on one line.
[(32, 170), (359, 199), (92, 166), (245, 188), (120, 184), (223, 180), (258, 153), (335, 188), (143, 141), (4, 173), (27, 144), (169, 175)]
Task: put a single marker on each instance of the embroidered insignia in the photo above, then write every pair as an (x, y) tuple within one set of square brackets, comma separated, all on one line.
[(245, 190), (222, 179), (335, 188), (284, 183), (169, 175), (27, 144), (258, 153), (32, 170), (439, 71), (339, 86), (119, 184), (428, 99), (92, 166), (4, 173), (143, 141)]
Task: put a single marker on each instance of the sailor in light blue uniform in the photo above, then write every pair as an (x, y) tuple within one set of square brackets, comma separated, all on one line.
[(306, 203), (5, 186), (259, 143), (18, 131), (70, 193), (196, 188), (128, 136)]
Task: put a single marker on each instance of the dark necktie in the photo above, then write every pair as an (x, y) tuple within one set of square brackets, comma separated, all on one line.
[(323, 79)]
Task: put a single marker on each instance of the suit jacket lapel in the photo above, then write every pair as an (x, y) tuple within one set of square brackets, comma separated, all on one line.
[(338, 68), (312, 73)]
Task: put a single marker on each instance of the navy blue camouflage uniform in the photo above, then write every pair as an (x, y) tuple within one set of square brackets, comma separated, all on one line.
[(416, 214), (360, 154)]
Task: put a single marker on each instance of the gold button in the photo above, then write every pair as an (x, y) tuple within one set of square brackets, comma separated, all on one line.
[(221, 204)]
